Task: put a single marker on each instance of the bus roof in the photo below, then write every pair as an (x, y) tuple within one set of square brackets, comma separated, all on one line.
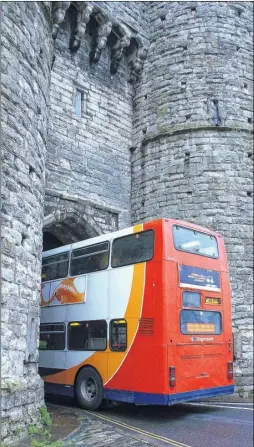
[(124, 232)]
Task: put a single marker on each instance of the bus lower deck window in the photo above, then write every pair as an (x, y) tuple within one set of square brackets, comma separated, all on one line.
[(87, 335), (118, 335), (52, 337)]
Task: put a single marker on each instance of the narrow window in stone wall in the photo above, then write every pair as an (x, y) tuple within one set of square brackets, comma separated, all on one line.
[(79, 102), (32, 339)]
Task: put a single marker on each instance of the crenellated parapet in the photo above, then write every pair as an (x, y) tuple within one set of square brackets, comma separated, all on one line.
[(58, 13), (136, 63), (83, 17), (106, 31), (117, 51)]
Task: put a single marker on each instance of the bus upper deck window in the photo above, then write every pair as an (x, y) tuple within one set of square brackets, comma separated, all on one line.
[(132, 249), (55, 267), (192, 241), (90, 259), (191, 299)]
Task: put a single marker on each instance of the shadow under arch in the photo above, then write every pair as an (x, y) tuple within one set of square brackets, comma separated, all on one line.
[(66, 227)]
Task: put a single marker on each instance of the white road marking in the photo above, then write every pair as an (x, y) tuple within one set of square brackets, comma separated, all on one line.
[(218, 406)]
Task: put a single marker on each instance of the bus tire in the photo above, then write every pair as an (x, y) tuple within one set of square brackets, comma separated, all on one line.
[(89, 389)]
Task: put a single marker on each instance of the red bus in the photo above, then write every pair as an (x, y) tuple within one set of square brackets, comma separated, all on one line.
[(141, 315)]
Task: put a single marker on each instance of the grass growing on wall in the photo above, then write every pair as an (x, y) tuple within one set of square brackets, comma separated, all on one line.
[(40, 437)]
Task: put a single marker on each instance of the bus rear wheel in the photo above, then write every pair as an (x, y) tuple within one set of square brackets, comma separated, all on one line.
[(89, 389)]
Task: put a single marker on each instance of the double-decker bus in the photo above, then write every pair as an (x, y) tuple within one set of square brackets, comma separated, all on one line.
[(141, 315)]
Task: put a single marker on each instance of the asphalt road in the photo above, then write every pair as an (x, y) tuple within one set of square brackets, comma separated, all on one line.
[(204, 424), (186, 425)]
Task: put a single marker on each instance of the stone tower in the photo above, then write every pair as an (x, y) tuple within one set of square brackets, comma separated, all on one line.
[(25, 80), (193, 156), (114, 113)]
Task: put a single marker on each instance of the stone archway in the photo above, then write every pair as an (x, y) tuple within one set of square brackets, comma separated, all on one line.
[(66, 222), (66, 227)]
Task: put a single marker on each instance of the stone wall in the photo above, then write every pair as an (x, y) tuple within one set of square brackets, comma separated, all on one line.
[(85, 150), (175, 142), (24, 96), (193, 155)]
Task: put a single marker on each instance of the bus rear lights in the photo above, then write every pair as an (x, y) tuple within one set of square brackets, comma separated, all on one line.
[(230, 370), (172, 376)]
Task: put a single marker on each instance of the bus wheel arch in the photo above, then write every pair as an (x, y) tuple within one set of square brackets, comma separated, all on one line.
[(88, 388)]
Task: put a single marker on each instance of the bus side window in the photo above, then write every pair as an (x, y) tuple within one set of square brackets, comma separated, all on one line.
[(118, 335), (87, 335), (55, 267), (52, 337), (90, 259), (132, 249)]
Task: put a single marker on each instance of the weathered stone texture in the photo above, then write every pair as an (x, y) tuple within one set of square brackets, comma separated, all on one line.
[(193, 137), (85, 151), (25, 64), (131, 14), (176, 142)]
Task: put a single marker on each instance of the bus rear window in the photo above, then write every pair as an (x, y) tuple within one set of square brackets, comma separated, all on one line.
[(193, 241), (200, 322), (191, 299)]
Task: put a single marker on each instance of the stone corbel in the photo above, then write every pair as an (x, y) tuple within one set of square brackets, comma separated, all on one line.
[(83, 18), (58, 13), (136, 63), (101, 40), (117, 52)]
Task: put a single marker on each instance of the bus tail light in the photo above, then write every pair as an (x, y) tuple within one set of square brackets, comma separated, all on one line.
[(172, 376), (230, 370)]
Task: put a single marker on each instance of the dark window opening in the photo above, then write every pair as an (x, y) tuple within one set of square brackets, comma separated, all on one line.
[(133, 249), (55, 267), (79, 103), (87, 335), (118, 335), (90, 259), (50, 241)]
